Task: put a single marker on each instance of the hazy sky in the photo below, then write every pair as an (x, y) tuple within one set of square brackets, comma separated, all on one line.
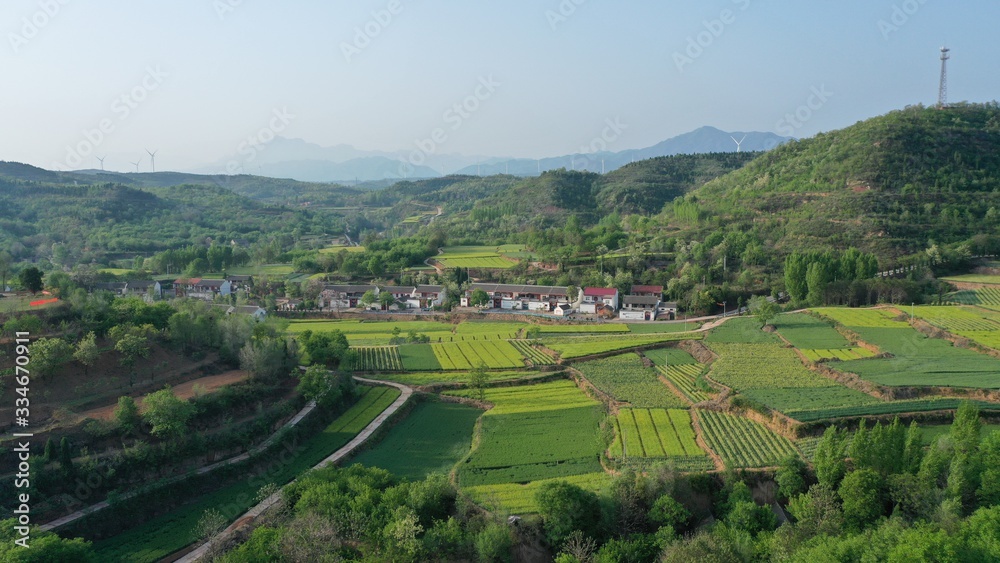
[(195, 78)]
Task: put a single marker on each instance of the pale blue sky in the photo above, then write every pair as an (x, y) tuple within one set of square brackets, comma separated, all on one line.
[(220, 78)]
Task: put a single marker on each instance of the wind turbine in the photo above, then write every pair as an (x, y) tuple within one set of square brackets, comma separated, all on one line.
[(136, 164), (152, 159), (101, 160), (738, 143)]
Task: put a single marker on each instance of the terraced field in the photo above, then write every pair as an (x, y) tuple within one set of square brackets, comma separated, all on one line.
[(984, 297), (537, 357), (575, 347), (805, 331), (685, 377), (654, 433), (740, 330), (917, 360), (473, 257), (626, 379), (494, 354), (743, 443), (843, 354), (534, 432), (519, 498), (583, 329), (378, 358)]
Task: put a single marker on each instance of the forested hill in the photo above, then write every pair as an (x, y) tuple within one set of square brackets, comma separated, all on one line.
[(892, 184), (73, 224)]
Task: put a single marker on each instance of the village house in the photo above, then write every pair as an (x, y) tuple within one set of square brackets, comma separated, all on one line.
[(540, 298), (639, 308), (258, 313), (201, 288), (595, 298), (145, 289), (118, 288), (336, 297), (286, 304), (428, 296)]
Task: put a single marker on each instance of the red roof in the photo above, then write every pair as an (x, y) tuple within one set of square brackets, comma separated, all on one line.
[(647, 289), (600, 291)]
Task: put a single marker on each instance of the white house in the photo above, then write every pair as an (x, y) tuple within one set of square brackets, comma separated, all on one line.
[(598, 297), (343, 296), (639, 308)]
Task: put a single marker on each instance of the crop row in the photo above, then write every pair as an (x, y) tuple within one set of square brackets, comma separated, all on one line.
[(685, 377), (583, 329), (627, 379), (844, 354), (669, 356), (762, 365), (575, 347), (536, 356), (989, 296), (869, 318), (889, 407), (377, 358), (519, 498), (956, 319), (467, 355), (743, 443), (806, 331)]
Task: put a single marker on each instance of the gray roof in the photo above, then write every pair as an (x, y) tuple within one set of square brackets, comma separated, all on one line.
[(521, 289), (397, 290), (349, 288), (429, 289), (210, 283), (141, 284), (641, 300)]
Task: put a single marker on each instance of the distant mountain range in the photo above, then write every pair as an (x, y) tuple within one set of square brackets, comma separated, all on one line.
[(309, 162)]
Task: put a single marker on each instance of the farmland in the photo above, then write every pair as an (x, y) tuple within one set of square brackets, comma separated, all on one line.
[(452, 377), (984, 297), (431, 439), (583, 329), (467, 355), (685, 378), (418, 357), (537, 357), (534, 432), (741, 329), (775, 377), (917, 360), (658, 433), (377, 358), (807, 332), (626, 379), (743, 443), (519, 498), (669, 357), (575, 347), (982, 327), (843, 354), (474, 257)]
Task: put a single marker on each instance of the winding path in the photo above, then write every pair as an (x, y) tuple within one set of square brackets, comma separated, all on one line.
[(336, 456)]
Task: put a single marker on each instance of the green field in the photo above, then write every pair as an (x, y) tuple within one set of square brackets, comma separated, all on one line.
[(774, 376), (658, 433), (163, 535), (917, 360), (474, 257), (669, 357), (418, 357), (984, 297), (582, 328), (519, 498), (626, 379), (741, 329), (448, 377), (432, 438), (534, 432), (18, 304), (655, 328), (685, 378), (843, 354), (807, 332), (338, 249), (741, 442), (577, 346), (537, 357), (493, 354), (377, 358), (974, 278)]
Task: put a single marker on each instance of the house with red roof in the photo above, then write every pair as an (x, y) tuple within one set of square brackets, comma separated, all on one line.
[(595, 298)]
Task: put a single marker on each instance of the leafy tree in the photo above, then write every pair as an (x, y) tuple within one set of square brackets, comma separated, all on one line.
[(325, 348), (791, 477), (386, 299), (762, 309), (666, 511), (132, 346), (818, 511), (166, 413), (47, 354), (323, 386), (564, 508), (861, 493), (751, 517), (829, 458), (478, 379), (66, 457), (50, 450), (267, 358), (479, 298), (493, 542), (368, 298), (87, 352), (31, 279), (5, 263), (44, 547), (127, 415)]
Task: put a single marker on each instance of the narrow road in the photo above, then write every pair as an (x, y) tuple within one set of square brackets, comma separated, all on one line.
[(256, 511)]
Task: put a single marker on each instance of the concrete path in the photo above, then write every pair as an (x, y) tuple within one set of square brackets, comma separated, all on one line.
[(256, 511), (62, 521)]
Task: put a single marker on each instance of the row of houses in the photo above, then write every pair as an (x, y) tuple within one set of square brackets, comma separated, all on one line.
[(644, 302), (336, 297), (195, 288)]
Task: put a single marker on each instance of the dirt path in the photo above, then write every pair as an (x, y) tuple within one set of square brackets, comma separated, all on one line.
[(184, 391), (251, 515)]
